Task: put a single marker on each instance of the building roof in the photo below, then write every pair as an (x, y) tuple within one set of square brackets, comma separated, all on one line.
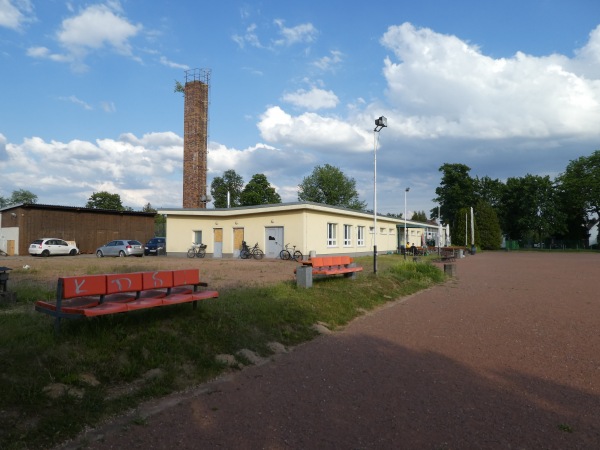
[(75, 208), (283, 207)]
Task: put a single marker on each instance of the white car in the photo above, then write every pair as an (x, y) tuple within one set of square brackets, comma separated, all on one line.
[(52, 246)]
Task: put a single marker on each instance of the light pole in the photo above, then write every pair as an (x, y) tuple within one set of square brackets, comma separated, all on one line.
[(405, 230), (379, 124)]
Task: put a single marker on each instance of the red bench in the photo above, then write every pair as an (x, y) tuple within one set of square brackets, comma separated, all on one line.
[(333, 265), (98, 295)]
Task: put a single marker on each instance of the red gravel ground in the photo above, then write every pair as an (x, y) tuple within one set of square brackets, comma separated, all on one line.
[(505, 356)]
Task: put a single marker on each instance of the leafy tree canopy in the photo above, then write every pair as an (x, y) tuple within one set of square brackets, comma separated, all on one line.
[(148, 208), (105, 200), (259, 191), (328, 184), (488, 235), (230, 182), (419, 216), (19, 196), (456, 191)]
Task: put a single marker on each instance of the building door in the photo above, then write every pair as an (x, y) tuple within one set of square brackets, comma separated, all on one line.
[(238, 237), (218, 238), (10, 247), (273, 241)]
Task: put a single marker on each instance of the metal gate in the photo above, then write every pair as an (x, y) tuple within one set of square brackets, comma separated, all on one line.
[(273, 241)]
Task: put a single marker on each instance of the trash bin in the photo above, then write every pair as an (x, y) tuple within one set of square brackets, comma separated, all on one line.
[(460, 253), (473, 250)]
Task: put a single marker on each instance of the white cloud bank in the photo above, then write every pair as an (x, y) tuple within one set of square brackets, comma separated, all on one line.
[(445, 101)]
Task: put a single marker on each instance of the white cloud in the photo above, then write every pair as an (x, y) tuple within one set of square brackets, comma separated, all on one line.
[(73, 99), (108, 107), (329, 63), (310, 130), (13, 14), (314, 99), (249, 37), (303, 33), (141, 170), (446, 87), (95, 27), (165, 62)]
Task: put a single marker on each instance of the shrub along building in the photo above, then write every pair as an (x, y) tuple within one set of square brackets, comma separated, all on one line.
[(313, 228), (90, 228)]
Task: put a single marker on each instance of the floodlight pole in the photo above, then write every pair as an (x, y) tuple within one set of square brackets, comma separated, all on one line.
[(405, 230), (379, 124)]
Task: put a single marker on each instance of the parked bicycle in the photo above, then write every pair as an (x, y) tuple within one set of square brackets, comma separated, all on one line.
[(197, 251), (289, 253), (248, 253)]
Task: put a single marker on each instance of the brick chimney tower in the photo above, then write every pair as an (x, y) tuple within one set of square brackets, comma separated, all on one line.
[(195, 138)]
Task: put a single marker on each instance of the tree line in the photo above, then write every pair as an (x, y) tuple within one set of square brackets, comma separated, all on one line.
[(531, 209)]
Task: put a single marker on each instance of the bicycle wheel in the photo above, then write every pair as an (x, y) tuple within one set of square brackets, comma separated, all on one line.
[(298, 255), (191, 253), (258, 254), (285, 255), (201, 253)]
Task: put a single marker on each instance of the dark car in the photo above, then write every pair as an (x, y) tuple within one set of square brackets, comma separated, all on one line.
[(156, 246)]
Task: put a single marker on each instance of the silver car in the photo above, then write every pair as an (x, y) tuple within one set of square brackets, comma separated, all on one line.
[(52, 246), (121, 248)]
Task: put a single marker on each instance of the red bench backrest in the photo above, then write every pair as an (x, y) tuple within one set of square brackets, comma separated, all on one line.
[(185, 277), (317, 261), (161, 279), (326, 261), (123, 282), (82, 286), (345, 260)]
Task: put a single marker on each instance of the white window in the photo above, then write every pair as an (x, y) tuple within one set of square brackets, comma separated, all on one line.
[(331, 234), (360, 236), (347, 235), (198, 237)]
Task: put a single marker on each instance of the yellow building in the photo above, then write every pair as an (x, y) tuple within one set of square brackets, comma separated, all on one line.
[(315, 229)]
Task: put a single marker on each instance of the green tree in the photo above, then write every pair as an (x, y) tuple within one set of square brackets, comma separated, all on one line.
[(530, 208), (462, 230), (328, 184), (148, 208), (105, 200), (419, 216), (489, 190), (456, 191), (488, 235), (230, 182), (259, 191), (580, 187), (19, 196)]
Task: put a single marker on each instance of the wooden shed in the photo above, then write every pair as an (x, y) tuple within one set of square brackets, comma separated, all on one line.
[(89, 228)]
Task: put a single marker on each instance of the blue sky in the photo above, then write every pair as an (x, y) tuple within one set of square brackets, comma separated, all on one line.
[(86, 87)]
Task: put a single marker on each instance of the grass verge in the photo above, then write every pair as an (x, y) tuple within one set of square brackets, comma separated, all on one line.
[(55, 386)]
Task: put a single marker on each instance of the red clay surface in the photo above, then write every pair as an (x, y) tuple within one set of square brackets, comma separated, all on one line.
[(505, 356)]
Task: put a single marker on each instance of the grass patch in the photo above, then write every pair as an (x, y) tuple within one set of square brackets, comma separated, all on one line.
[(55, 386)]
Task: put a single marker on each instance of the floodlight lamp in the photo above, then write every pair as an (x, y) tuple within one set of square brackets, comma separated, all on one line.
[(407, 189), (380, 123)]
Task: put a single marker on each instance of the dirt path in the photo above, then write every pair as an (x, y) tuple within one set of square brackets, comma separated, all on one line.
[(505, 356)]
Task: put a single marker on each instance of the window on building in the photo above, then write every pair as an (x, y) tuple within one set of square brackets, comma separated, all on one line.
[(331, 234), (198, 237), (347, 235), (360, 236)]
